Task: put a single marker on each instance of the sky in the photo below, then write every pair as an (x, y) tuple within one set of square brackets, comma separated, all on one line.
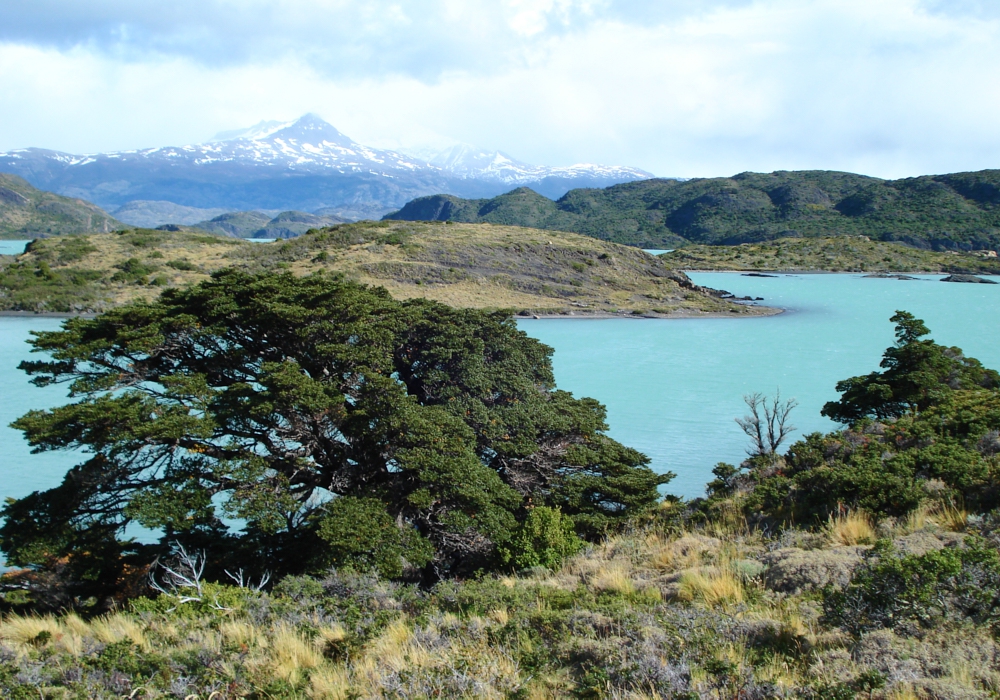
[(684, 88)]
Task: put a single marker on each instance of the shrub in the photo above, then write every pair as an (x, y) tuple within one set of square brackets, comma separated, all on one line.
[(889, 590), (545, 538), (132, 270)]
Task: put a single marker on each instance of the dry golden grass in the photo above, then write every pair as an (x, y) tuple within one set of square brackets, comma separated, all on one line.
[(614, 577), (902, 691), (242, 633), (330, 684), (951, 518), (916, 520), (501, 616), (713, 587), (25, 630), (685, 552), (291, 655), (118, 627), (850, 529), (943, 515)]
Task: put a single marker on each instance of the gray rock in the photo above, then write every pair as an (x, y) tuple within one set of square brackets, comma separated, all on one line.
[(967, 278)]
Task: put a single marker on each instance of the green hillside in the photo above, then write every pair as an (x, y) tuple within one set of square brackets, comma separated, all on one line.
[(255, 224), (955, 212), (27, 212), (835, 254)]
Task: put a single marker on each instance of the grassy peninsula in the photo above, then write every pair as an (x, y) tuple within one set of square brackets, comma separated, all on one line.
[(463, 265), (960, 211), (27, 212), (833, 254)]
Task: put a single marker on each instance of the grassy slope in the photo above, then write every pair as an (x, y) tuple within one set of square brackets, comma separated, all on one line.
[(839, 254), (718, 612), (959, 211), (479, 266), (27, 212)]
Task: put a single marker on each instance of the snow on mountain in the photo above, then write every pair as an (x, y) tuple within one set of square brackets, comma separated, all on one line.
[(469, 162), (306, 164), (308, 143)]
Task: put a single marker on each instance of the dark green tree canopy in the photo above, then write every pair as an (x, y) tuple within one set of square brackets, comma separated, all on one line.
[(269, 398), (917, 373), (926, 427)]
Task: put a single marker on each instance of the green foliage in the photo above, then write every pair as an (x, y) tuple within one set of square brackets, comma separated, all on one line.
[(359, 534), (901, 591), (132, 270), (545, 538), (933, 415), (918, 374), (956, 212), (833, 253), (41, 287), (259, 396), (182, 265)]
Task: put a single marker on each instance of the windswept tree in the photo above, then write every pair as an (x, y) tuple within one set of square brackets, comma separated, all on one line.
[(340, 426), (917, 373)]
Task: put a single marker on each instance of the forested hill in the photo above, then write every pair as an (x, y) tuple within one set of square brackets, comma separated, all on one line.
[(959, 211), (26, 212)]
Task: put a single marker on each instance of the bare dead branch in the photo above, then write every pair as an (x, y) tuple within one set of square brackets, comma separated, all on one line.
[(767, 423)]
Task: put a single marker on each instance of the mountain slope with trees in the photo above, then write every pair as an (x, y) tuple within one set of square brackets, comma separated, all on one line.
[(26, 212), (954, 212)]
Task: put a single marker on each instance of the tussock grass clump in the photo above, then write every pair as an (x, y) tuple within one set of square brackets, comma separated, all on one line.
[(292, 656), (850, 529), (614, 578), (119, 627), (713, 587)]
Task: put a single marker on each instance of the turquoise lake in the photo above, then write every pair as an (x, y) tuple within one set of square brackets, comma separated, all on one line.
[(672, 388)]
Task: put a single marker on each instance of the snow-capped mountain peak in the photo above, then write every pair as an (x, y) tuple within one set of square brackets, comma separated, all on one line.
[(468, 162), (311, 130), (305, 164)]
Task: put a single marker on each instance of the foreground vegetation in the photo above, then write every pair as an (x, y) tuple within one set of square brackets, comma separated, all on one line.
[(462, 265), (660, 611), (941, 212), (837, 254), (858, 564), (27, 212)]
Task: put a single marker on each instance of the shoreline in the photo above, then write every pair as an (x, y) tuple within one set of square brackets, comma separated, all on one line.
[(764, 312), (45, 314)]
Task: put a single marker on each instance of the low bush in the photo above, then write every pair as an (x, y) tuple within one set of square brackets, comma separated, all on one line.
[(902, 592)]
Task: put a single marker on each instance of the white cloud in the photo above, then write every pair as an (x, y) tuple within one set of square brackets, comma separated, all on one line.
[(897, 87)]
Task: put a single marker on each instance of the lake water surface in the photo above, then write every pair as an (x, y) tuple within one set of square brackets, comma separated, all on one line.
[(672, 388)]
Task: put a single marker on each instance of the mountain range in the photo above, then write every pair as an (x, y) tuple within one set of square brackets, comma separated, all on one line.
[(304, 165), (960, 211)]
